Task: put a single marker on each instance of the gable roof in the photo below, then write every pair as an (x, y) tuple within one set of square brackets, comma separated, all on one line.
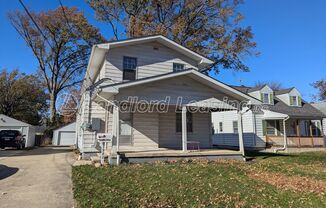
[(207, 80), (284, 91), (98, 51), (8, 121)]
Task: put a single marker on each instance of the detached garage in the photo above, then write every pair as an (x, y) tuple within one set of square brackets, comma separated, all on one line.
[(65, 135), (7, 123)]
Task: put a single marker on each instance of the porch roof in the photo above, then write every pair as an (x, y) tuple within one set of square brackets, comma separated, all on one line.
[(198, 76), (270, 115)]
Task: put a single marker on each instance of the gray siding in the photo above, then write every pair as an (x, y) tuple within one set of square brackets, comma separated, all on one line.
[(169, 138), (150, 62), (174, 88)]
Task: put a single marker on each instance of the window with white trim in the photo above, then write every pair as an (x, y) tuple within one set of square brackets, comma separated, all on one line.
[(294, 100), (129, 68), (265, 98), (235, 127)]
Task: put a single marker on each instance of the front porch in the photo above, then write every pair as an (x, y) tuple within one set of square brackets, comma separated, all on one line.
[(295, 132), (172, 155)]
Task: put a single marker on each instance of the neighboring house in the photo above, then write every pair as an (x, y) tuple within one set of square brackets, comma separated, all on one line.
[(65, 135), (150, 69), (285, 115), (8, 123), (321, 106)]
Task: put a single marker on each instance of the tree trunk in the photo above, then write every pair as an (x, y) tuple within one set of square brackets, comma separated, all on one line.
[(53, 110)]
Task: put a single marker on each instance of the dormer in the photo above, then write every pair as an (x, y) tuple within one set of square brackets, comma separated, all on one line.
[(263, 93), (291, 97)]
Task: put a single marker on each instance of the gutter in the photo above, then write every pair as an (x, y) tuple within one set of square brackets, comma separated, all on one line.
[(284, 137)]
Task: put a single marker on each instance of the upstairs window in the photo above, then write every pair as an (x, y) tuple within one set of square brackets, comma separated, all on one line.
[(178, 67), (294, 101), (267, 98), (129, 68)]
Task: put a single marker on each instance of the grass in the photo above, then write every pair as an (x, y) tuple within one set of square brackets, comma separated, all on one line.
[(207, 184)]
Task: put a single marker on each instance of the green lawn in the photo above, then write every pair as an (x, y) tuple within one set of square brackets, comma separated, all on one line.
[(271, 180)]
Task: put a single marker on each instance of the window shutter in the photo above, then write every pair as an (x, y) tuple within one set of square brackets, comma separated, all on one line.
[(291, 100), (271, 99), (264, 127), (299, 101), (261, 96)]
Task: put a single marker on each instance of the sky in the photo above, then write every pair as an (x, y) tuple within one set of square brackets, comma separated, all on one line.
[(290, 35)]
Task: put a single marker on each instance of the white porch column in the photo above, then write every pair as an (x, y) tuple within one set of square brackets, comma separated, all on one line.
[(240, 132), (184, 128), (284, 134), (117, 121)]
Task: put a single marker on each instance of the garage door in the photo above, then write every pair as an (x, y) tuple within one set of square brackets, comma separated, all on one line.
[(66, 138)]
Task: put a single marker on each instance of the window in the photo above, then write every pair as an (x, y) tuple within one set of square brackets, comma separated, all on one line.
[(294, 100), (178, 67), (129, 68), (316, 128), (179, 122), (221, 126), (235, 127), (270, 128), (265, 98)]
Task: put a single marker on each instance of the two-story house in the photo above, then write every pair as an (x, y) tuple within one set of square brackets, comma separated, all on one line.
[(285, 120), (150, 95)]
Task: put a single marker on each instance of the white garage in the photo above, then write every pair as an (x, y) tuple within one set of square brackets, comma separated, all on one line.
[(8, 123), (65, 135)]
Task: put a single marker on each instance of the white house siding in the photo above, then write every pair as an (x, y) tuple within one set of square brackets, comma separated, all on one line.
[(150, 62), (145, 130), (252, 129)]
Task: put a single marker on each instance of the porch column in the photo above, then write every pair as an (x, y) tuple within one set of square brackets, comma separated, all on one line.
[(240, 132), (284, 134), (184, 128), (115, 130), (117, 127)]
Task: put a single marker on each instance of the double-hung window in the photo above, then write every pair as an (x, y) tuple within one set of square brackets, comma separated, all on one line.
[(129, 68), (265, 98), (235, 127), (294, 100)]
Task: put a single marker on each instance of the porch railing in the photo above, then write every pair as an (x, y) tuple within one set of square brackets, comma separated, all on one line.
[(295, 141)]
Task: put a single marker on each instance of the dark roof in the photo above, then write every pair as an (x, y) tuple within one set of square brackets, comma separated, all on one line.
[(283, 91), (306, 111), (320, 106)]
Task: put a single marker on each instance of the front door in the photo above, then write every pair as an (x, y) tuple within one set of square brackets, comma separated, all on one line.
[(125, 128)]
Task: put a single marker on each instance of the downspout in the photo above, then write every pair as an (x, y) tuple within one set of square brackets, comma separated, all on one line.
[(284, 137)]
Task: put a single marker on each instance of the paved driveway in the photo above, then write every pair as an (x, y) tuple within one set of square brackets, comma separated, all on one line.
[(36, 178)]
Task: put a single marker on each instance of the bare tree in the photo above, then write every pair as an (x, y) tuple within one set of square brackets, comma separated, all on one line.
[(272, 84), (61, 41)]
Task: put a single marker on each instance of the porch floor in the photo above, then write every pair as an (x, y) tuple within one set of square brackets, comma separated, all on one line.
[(166, 155)]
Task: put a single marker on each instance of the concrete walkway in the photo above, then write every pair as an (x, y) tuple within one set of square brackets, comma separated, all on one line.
[(36, 178)]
